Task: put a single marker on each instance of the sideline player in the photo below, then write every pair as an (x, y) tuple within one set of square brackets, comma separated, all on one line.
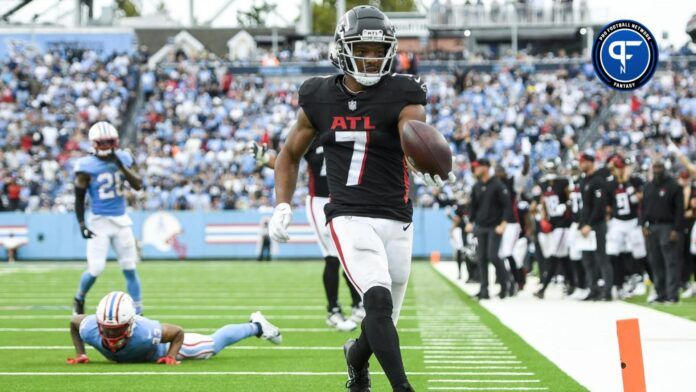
[(317, 198), (358, 117), (102, 174), (122, 336), (555, 200), (625, 241)]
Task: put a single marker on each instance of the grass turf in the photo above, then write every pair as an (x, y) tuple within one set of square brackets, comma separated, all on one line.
[(686, 307), (449, 342)]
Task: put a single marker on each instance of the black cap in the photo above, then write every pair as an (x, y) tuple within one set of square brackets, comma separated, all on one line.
[(481, 162)]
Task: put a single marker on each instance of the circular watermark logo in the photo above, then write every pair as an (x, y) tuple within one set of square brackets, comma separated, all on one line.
[(624, 55)]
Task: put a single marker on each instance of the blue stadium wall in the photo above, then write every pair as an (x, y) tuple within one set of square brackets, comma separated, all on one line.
[(196, 235)]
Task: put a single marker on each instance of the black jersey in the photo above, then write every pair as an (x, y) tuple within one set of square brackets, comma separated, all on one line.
[(575, 199), (316, 169), (522, 207), (556, 201), (365, 166), (624, 202)]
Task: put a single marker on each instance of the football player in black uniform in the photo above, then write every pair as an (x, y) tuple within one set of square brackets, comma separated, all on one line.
[(556, 207), (574, 251), (463, 243), (317, 198), (625, 241), (358, 117)]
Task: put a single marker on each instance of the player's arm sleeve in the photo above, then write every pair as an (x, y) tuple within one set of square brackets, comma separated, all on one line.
[(414, 91), (641, 214), (504, 196), (678, 208), (470, 152), (473, 208), (81, 182)]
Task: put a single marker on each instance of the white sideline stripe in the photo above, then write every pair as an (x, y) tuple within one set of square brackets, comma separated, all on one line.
[(179, 316), (466, 361), (487, 381), (486, 367), (452, 388), (321, 330), (165, 373), (426, 356), (228, 348), (463, 352), (319, 308)]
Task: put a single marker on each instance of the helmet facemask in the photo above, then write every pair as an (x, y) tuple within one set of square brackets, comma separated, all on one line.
[(364, 25), (115, 337), (365, 70), (104, 147)]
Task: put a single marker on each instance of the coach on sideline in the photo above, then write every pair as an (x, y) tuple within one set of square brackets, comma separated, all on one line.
[(662, 219), (593, 222), (490, 209)]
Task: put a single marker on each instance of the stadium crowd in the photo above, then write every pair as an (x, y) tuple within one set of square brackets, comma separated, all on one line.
[(197, 118)]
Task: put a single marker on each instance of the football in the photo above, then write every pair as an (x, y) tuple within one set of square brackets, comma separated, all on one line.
[(426, 149)]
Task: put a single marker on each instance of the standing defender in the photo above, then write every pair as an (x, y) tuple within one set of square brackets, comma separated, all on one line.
[(102, 174)]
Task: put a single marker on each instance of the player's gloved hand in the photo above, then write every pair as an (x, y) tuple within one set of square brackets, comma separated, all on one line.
[(113, 158), (278, 225), (259, 151), (79, 359), (86, 233), (435, 180), (167, 360)]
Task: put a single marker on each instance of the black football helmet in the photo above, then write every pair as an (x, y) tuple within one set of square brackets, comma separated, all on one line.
[(363, 24)]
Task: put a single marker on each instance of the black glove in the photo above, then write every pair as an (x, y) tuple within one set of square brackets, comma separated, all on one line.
[(259, 152), (86, 233)]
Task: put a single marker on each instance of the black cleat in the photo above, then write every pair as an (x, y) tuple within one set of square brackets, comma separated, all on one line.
[(78, 306), (481, 296), (358, 380)]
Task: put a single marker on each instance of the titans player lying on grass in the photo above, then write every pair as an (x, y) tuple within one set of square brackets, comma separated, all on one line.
[(122, 336)]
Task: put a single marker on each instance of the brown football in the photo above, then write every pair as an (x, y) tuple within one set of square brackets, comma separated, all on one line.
[(426, 149)]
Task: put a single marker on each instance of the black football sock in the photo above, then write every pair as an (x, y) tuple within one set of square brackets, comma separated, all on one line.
[(331, 267), (382, 335), (361, 351), (460, 260), (354, 295)]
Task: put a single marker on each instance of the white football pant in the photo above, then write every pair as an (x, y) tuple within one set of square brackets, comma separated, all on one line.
[(625, 236), (375, 252), (110, 231), (316, 218)]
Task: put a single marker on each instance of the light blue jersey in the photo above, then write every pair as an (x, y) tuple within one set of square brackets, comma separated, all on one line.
[(106, 183), (143, 346)]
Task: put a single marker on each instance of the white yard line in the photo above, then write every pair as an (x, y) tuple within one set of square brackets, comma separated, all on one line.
[(240, 347), (169, 373)]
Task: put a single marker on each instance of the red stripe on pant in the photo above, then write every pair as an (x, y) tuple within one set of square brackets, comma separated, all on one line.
[(340, 255), (314, 220)]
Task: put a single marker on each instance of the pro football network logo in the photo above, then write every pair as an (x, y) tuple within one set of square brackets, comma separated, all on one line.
[(625, 55)]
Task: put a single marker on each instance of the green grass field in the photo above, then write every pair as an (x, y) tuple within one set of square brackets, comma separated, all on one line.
[(448, 341), (686, 307)]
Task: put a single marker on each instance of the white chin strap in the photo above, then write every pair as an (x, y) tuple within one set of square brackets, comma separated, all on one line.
[(367, 80)]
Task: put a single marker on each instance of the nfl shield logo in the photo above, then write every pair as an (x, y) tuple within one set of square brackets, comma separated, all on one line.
[(352, 105)]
